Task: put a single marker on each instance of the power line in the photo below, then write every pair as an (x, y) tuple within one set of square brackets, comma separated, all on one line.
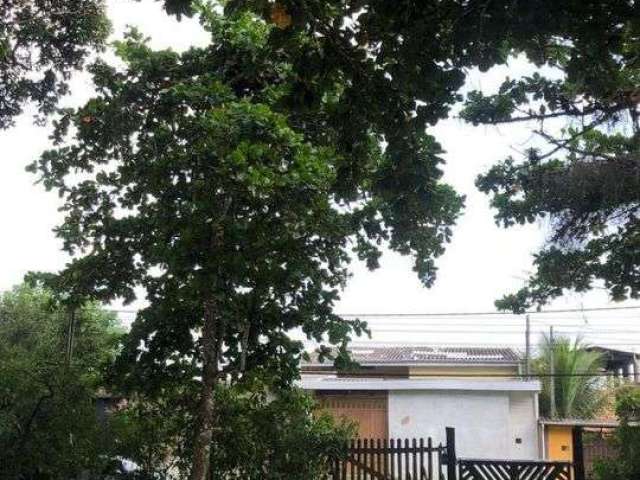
[(455, 314), (478, 343), (361, 374), (471, 314), (501, 332)]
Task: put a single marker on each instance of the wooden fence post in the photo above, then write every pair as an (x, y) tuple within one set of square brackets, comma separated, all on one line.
[(578, 454), (452, 460)]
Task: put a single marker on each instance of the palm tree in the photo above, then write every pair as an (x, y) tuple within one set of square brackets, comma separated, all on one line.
[(579, 389)]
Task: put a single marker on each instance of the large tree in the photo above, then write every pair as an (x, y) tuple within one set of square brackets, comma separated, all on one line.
[(214, 180), (231, 180), (584, 175)]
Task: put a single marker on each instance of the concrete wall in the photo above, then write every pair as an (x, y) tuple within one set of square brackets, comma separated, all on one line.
[(523, 425), (487, 423)]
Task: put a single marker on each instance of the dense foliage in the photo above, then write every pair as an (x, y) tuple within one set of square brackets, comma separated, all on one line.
[(41, 43), (626, 465), (245, 164), (235, 201), (259, 433), (585, 178), (234, 181), (150, 434), (579, 391), (48, 423), (267, 435), (52, 425)]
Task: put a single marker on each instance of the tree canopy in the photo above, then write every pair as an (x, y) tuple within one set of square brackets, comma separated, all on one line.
[(235, 201), (234, 181), (48, 423), (585, 178), (41, 43)]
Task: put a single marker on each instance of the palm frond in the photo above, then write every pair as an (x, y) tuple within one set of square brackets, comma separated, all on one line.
[(578, 391)]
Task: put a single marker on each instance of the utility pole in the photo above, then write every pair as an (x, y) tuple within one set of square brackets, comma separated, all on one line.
[(527, 352), (552, 374)]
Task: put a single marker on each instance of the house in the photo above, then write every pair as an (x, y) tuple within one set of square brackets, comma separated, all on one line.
[(417, 391), (620, 363)]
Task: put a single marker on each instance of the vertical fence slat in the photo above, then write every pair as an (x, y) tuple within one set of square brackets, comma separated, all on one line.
[(452, 461), (392, 456), (352, 458), (399, 457), (407, 464), (430, 459), (372, 459), (414, 454), (377, 457), (365, 457), (385, 457), (421, 461), (343, 470), (359, 459)]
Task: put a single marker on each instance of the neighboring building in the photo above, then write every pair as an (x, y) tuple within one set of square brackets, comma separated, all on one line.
[(417, 391), (558, 436), (579, 441), (620, 363)]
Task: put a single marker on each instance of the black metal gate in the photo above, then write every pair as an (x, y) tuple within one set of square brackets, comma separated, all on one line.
[(471, 469)]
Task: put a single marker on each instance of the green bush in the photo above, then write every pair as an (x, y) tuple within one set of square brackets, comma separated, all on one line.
[(262, 433), (626, 465), (264, 436)]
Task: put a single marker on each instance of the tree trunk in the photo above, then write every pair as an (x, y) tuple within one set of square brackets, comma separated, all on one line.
[(205, 417), (212, 340)]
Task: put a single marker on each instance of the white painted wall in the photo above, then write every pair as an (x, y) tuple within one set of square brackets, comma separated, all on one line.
[(523, 424), (487, 423)]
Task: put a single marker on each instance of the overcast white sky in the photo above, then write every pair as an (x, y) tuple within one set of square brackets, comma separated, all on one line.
[(483, 262)]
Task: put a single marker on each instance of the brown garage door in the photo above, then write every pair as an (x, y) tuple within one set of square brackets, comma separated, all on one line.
[(368, 411)]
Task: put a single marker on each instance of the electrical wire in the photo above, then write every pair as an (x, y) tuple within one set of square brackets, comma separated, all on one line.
[(467, 314), (459, 314), (409, 375)]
